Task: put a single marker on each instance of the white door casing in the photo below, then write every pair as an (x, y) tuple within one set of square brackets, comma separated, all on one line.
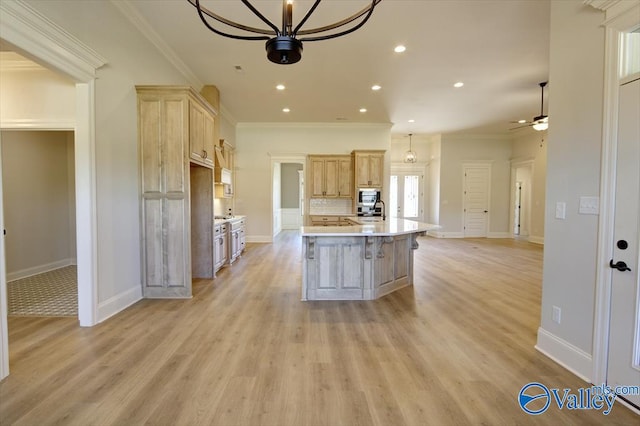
[(4, 332), (521, 171), (476, 200), (620, 20), (624, 337), (35, 35)]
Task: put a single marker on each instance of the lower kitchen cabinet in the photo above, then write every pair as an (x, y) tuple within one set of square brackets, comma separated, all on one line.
[(229, 241), (221, 245), (237, 240)]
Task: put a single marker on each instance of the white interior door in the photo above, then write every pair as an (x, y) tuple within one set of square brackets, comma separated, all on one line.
[(406, 196), (476, 200), (624, 332)]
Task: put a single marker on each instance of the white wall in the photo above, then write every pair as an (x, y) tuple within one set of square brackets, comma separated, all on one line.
[(434, 182), (257, 142), (103, 28), (33, 96), (37, 179), (457, 150), (573, 170)]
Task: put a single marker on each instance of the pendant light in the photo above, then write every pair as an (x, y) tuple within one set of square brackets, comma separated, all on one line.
[(410, 156), (284, 46)]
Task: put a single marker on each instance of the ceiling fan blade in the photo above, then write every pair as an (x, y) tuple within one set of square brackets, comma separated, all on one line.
[(521, 127)]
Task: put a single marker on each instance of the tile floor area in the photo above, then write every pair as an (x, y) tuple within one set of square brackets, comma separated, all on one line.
[(51, 294)]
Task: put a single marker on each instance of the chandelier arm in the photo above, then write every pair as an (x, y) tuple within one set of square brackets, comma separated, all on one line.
[(365, 11), (261, 16), (345, 32), (309, 12), (204, 11)]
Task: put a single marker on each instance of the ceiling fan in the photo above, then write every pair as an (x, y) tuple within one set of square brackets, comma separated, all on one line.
[(540, 122)]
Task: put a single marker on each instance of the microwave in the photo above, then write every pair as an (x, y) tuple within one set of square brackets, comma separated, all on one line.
[(368, 196)]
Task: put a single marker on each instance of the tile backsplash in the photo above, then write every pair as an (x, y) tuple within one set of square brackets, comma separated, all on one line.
[(321, 206)]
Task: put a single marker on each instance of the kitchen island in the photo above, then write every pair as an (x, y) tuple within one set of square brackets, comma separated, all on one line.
[(359, 262)]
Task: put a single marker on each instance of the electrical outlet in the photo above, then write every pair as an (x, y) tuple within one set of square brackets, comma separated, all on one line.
[(556, 315), (561, 210)]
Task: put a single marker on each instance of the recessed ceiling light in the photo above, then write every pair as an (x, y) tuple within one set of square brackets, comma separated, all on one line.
[(522, 121), (458, 84), (363, 110), (399, 48), (411, 121), (280, 87), (286, 110), (376, 87)]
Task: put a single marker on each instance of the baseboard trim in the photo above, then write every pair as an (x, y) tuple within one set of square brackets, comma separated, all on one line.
[(118, 303), (565, 354), (40, 269), (499, 235), (536, 240), (438, 234)]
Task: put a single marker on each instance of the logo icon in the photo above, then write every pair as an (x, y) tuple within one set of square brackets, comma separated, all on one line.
[(534, 398)]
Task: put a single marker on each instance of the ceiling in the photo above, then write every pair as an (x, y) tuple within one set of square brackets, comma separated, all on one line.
[(499, 49)]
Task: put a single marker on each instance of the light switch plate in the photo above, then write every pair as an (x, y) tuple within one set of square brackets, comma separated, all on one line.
[(561, 210), (589, 205)]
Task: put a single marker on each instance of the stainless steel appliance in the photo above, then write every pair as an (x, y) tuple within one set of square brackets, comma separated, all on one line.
[(367, 202)]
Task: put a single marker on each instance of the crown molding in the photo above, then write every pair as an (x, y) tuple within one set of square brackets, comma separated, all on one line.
[(29, 124), (27, 29), (132, 15), (14, 62), (601, 4), (476, 137), (303, 125)]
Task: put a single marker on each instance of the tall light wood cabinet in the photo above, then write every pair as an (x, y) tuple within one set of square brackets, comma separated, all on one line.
[(331, 176), (170, 119), (369, 168)]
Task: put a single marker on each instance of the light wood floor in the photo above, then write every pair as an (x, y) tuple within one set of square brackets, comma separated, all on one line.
[(454, 349)]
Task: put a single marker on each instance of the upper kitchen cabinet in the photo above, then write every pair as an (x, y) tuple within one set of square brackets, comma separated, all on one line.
[(224, 169), (330, 176), (369, 168), (176, 211), (201, 134)]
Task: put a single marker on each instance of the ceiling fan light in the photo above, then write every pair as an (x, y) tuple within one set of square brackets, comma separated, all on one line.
[(541, 124)]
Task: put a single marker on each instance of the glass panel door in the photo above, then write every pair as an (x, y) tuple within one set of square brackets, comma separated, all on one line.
[(406, 196)]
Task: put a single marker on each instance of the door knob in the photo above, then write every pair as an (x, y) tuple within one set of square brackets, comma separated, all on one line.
[(619, 265)]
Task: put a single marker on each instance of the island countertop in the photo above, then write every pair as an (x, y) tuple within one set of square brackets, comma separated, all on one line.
[(389, 227)]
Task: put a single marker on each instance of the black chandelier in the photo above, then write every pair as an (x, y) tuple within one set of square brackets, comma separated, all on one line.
[(283, 45)]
